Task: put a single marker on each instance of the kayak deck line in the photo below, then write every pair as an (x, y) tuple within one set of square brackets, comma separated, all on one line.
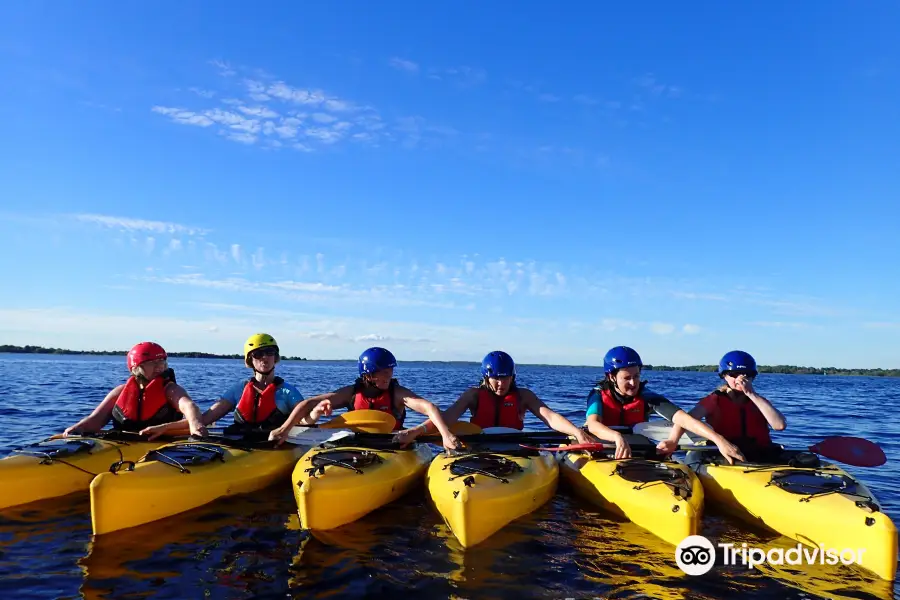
[(655, 473), (492, 465), (54, 456), (354, 461), (169, 455)]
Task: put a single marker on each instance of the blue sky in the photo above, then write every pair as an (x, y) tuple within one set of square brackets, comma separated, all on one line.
[(446, 180)]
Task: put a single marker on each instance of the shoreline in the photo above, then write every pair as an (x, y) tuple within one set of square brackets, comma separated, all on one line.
[(782, 369)]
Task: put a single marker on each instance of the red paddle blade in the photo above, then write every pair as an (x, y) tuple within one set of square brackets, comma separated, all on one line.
[(565, 448), (854, 451)]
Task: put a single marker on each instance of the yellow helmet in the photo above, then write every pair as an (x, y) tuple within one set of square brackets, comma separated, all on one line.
[(257, 341)]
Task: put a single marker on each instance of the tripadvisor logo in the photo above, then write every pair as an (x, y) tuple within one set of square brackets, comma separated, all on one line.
[(696, 555)]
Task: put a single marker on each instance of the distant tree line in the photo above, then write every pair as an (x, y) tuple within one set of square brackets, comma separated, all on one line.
[(788, 369), (41, 350)]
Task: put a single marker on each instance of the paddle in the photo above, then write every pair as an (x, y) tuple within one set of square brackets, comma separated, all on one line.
[(464, 428), (348, 424), (660, 430), (368, 421), (855, 451)]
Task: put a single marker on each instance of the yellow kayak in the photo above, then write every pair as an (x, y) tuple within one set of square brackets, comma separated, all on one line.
[(338, 485), (58, 467), (182, 476), (663, 497), (477, 494), (815, 503)]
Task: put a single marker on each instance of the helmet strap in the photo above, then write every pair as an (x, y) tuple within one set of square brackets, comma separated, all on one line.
[(262, 376)]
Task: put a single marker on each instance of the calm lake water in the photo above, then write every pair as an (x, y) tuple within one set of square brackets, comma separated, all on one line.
[(252, 547)]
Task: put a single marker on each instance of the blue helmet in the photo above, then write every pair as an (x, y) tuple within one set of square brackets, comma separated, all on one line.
[(376, 359), (498, 364), (737, 361), (621, 357)]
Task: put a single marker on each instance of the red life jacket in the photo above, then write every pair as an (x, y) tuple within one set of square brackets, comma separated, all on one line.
[(613, 412), (259, 408), (383, 402), (494, 411), (737, 422), (139, 407)]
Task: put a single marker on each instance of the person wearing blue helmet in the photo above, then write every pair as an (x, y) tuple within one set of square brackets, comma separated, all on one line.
[(499, 402), (374, 389), (621, 399), (736, 411)]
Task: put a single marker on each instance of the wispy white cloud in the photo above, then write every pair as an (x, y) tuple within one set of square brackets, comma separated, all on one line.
[(262, 112), (464, 76), (130, 224), (183, 116), (781, 324), (616, 324), (276, 114), (882, 325), (258, 259), (700, 296), (690, 329), (101, 106), (662, 328), (654, 86), (224, 68), (585, 99), (402, 64), (202, 93), (372, 337)]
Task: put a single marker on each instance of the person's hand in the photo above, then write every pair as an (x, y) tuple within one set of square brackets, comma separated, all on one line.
[(729, 451), (198, 429), (73, 430), (278, 435), (451, 442), (322, 409), (582, 437), (623, 450), (406, 436), (667, 447), (153, 432), (744, 384)]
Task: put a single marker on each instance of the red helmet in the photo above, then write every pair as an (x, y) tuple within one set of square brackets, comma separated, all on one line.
[(144, 352)]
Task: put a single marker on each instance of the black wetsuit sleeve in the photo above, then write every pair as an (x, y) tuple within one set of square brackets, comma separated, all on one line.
[(661, 405)]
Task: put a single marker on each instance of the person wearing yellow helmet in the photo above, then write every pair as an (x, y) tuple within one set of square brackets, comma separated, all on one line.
[(262, 402)]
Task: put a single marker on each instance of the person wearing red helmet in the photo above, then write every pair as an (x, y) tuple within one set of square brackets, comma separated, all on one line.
[(150, 396), (374, 389)]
